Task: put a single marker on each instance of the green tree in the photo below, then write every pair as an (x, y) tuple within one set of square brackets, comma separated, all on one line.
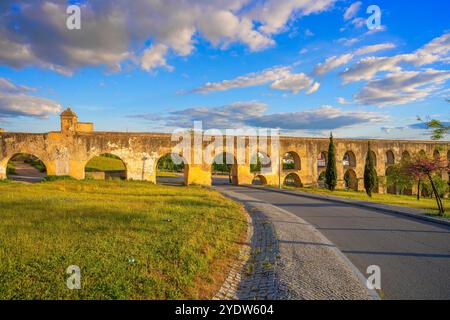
[(331, 172), (398, 177), (438, 129), (370, 172)]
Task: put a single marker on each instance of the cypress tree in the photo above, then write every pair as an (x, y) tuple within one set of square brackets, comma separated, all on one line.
[(331, 172), (370, 172)]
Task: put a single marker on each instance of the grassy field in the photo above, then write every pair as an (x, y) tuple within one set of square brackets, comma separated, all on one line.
[(168, 174), (427, 204), (132, 240), (102, 163)]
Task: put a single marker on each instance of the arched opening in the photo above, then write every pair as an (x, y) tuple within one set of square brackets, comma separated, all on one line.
[(350, 180), (26, 168), (293, 180), (259, 162), (224, 169), (259, 180), (349, 160), (391, 189), (390, 158), (406, 156), (374, 156), (322, 160), (321, 180), (422, 153), (170, 170), (105, 166), (292, 161), (436, 155)]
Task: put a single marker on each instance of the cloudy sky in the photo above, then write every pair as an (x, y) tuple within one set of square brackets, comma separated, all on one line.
[(306, 66)]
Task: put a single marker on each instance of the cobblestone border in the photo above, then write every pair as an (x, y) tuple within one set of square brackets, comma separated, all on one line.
[(253, 276)]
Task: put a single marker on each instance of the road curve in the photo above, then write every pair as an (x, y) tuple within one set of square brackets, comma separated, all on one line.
[(414, 255)]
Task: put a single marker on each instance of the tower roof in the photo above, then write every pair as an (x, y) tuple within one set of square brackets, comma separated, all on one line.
[(68, 113)]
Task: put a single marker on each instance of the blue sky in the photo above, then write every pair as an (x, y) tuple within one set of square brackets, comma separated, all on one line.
[(152, 66)]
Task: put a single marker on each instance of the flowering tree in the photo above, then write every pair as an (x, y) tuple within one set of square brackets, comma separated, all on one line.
[(423, 167)]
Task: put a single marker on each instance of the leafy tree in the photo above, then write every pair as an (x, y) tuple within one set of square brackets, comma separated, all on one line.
[(331, 172), (399, 178), (256, 167), (423, 166), (441, 185), (370, 172), (438, 129), (166, 164)]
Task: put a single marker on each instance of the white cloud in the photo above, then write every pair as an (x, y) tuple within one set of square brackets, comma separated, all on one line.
[(115, 32), (332, 63), (253, 114), (274, 14), (154, 57), (401, 87), (15, 102), (337, 61), (352, 11), (367, 68), (280, 78), (374, 48)]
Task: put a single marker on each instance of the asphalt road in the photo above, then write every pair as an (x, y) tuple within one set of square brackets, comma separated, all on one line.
[(414, 256)]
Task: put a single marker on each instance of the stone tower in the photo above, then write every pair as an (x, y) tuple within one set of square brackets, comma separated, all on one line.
[(69, 121)]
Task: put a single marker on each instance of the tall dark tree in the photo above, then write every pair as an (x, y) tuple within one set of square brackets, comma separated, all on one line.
[(370, 172), (331, 172)]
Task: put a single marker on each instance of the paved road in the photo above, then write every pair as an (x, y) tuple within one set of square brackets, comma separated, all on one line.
[(26, 173), (414, 256)]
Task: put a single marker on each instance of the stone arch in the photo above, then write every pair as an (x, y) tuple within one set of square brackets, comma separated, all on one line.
[(292, 161), (349, 160), (26, 167), (436, 154), (422, 153), (106, 165), (292, 180), (171, 169), (259, 180), (260, 161), (322, 160), (351, 180), (374, 155), (390, 158), (406, 156), (224, 169), (393, 188)]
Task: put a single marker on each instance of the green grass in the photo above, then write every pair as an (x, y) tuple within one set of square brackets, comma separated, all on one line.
[(165, 174), (426, 204), (101, 225), (102, 163)]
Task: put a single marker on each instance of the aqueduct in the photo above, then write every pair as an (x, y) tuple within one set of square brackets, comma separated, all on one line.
[(66, 153)]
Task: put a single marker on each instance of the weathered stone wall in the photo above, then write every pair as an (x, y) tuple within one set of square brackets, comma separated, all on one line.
[(67, 153)]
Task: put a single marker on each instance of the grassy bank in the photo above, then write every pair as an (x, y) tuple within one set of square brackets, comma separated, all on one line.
[(426, 204), (132, 240), (104, 163)]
